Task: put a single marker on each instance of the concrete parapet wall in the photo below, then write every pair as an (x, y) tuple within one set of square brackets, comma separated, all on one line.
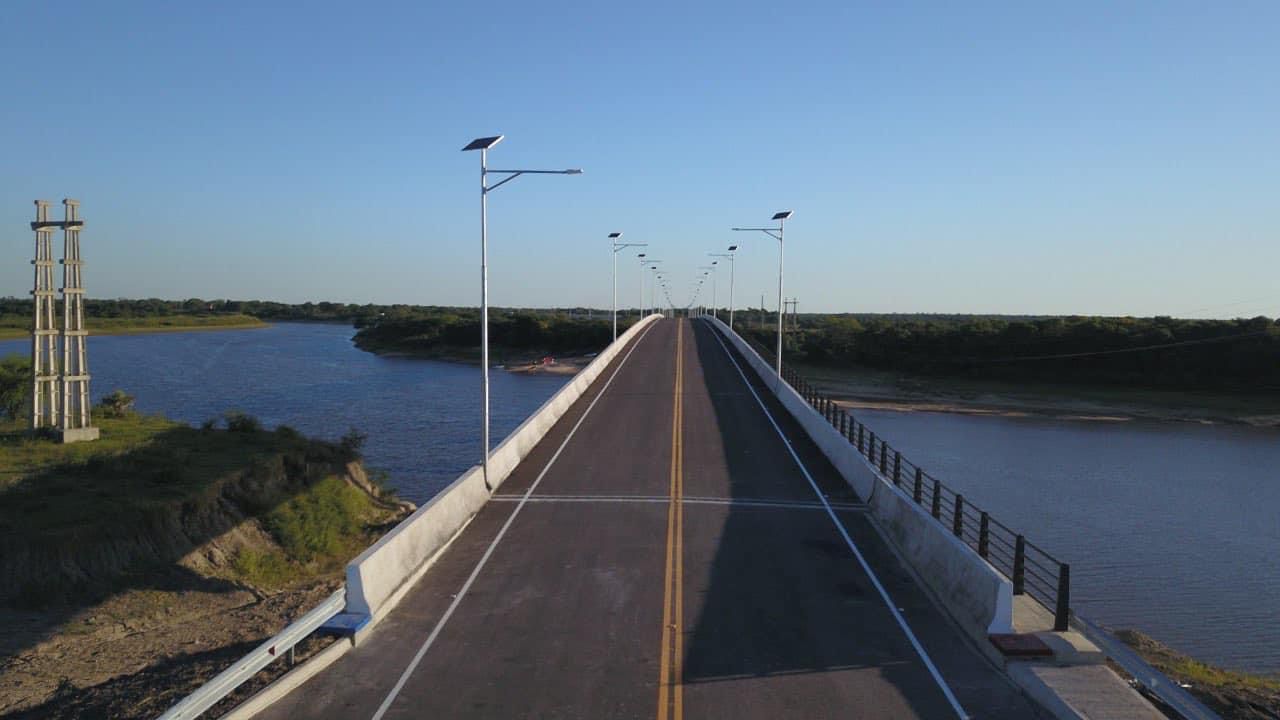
[(976, 595), (376, 574)]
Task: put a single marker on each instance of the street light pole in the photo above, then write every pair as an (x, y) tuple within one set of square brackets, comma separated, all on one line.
[(711, 269), (776, 233), (643, 261), (733, 249), (616, 247), (484, 144)]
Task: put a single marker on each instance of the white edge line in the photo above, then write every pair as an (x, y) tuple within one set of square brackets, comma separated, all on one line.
[(457, 600), (924, 656)]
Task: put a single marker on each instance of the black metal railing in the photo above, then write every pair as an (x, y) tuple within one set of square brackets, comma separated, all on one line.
[(1032, 571)]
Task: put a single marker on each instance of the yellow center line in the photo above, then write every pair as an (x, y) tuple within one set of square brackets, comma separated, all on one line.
[(671, 662)]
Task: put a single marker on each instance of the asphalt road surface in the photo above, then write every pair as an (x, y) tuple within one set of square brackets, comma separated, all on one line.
[(674, 547)]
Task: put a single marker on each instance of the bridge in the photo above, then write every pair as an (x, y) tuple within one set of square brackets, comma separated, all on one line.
[(668, 537)]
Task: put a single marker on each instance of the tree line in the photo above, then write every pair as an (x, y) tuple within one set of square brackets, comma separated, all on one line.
[(1165, 352), (431, 330)]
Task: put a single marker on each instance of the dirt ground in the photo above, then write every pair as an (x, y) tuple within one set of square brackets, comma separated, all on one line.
[(137, 653)]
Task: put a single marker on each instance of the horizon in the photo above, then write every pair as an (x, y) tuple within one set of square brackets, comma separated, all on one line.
[(1092, 160), (632, 308)]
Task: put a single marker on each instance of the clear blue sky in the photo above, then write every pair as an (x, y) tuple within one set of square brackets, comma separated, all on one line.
[(1114, 158)]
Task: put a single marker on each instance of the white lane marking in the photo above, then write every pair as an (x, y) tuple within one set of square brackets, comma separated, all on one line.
[(457, 600), (736, 502), (884, 595)]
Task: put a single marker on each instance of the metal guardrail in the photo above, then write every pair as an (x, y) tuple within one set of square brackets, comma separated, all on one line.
[(1033, 571), (233, 677), (1151, 680)]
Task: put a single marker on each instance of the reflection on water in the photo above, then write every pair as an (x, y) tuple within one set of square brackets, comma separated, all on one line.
[(422, 417), (1173, 529)]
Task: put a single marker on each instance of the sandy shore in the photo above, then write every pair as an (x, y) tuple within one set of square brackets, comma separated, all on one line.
[(872, 390)]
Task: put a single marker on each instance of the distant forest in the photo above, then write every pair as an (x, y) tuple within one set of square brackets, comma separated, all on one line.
[(1158, 352), (1239, 355)]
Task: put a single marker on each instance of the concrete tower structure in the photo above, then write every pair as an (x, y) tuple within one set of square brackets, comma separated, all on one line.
[(44, 332), (77, 424)]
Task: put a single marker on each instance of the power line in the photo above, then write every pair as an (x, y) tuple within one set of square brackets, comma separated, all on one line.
[(1144, 348)]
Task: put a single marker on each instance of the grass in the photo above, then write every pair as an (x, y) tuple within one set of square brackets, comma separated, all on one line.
[(1198, 673), (141, 464), (318, 530), (13, 326), (95, 515)]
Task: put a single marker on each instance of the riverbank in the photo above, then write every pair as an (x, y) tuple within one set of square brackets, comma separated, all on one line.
[(520, 362), (12, 329), (859, 388), (135, 568), (1233, 695)]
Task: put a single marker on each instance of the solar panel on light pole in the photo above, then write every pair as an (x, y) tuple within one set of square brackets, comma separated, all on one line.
[(776, 234), (484, 145)]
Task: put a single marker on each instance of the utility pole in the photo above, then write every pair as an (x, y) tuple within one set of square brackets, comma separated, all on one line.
[(77, 424), (44, 332)]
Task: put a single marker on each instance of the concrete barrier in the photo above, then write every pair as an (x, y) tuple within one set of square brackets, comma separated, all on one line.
[(376, 574), (974, 593)]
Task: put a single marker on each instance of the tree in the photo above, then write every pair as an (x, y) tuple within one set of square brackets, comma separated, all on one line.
[(15, 385)]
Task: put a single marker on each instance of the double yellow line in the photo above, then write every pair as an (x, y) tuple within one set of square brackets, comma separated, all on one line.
[(671, 666)]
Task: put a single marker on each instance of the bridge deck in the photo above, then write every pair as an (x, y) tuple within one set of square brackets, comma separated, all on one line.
[(584, 591)]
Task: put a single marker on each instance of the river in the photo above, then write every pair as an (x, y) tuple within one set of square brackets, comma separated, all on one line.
[(422, 417), (1173, 529)]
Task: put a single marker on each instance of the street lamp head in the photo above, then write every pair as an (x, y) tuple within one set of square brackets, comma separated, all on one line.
[(640, 255), (733, 248), (578, 171), (782, 215), (615, 236), (483, 143)]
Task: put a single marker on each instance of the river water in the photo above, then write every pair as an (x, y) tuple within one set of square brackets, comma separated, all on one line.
[(1173, 529), (422, 417)]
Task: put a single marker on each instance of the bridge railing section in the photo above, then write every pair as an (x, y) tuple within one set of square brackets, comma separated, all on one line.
[(1032, 571)]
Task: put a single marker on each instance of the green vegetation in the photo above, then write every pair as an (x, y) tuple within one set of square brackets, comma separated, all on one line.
[(1160, 352), (15, 386), (1233, 695), (89, 516), (456, 333)]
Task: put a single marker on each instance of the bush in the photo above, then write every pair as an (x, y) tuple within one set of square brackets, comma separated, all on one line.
[(353, 441), (116, 405), (15, 385), (288, 432), (241, 422)]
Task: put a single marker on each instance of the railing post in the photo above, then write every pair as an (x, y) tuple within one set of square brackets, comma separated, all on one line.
[(871, 447), (984, 535), (897, 468), (884, 458), (861, 445), (1062, 617), (957, 522), (1019, 565), (937, 499), (918, 493)]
